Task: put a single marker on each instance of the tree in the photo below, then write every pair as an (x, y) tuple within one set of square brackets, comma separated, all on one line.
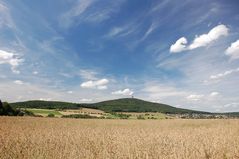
[(8, 110), (1, 108)]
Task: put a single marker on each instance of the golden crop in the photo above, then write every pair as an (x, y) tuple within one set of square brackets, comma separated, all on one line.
[(40, 138)]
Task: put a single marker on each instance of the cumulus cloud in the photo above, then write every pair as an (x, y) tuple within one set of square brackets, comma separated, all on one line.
[(180, 45), (97, 84), (212, 35), (201, 40), (19, 82), (125, 92), (195, 97), (221, 75), (233, 50), (11, 59)]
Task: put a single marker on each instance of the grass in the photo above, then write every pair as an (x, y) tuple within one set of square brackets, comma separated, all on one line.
[(44, 112), (51, 138), (96, 113)]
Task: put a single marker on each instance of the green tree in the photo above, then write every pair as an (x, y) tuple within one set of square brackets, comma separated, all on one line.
[(1, 108), (7, 109), (51, 115)]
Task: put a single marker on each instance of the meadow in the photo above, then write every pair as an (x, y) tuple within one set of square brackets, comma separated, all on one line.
[(33, 137)]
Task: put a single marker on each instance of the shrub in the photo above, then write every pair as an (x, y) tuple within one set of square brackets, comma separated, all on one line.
[(84, 116), (51, 115), (140, 117)]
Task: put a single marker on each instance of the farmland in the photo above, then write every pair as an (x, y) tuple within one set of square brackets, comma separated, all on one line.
[(32, 137)]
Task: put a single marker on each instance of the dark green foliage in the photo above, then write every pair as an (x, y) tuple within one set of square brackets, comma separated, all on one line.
[(83, 116), (6, 109), (140, 117), (121, 116), (1, 108), (46, 105), (51, 115), (27, 113), (137, 105)]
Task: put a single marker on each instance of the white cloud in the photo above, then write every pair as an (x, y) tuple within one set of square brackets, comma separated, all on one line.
[(180, 45), (214, 94), (233, 50), (11, 59), (85, 100), (19, 82), (125, 92), (221, 75), (69, 92), (102, 87), (212, 35), (45, 99), (35, 72), (201, 40), (122, 31), (97, 84), (195, 97)]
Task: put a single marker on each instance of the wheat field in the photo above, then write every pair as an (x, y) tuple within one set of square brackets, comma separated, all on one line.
[(56, 138)]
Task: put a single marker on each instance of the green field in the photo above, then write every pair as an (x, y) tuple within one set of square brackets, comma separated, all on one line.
[(126, 115), (45, 112)]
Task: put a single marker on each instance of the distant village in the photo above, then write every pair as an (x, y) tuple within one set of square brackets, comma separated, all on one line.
[(205, 116)]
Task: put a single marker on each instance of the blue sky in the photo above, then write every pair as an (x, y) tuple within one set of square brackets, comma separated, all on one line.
[(182, 53)]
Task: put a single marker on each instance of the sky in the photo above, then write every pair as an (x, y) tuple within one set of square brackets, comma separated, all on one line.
[(181, 53)]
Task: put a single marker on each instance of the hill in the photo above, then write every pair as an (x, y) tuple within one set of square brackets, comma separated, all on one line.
[(137, 105), (117, 105), (40, 104)]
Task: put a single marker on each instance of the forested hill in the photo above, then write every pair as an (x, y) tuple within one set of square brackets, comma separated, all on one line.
[(117, 105), (138, 105), (45, 105)]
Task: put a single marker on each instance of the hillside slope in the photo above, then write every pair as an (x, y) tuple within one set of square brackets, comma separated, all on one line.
[(137, 105), (117, 105), (45, 105)]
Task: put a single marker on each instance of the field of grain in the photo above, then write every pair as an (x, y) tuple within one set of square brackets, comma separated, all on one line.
[(28, 137)]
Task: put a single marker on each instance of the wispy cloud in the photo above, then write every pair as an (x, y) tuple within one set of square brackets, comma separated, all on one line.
[(92, 11), (88, 74), (224, 74), (122, 31), (5, 17)]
